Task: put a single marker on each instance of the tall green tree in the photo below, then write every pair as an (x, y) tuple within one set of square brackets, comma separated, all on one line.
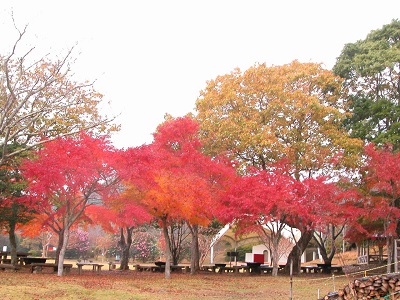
[(265, 114), (371, 70), (14, 208)]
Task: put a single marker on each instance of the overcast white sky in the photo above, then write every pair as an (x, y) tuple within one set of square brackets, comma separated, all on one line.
[(153, 57)]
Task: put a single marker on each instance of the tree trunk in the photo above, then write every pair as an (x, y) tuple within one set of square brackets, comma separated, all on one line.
[(297, 251), (60, 234), (178, 233), (167, 249), (321, 242), (45, 248), (125, 243), (45, 238), (389, 245), (325, 256), (62, 252), (275, 259), (13, 243), (175, 238), (195, 257)]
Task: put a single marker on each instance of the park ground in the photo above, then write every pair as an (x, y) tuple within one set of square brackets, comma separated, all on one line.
[(124, 285)]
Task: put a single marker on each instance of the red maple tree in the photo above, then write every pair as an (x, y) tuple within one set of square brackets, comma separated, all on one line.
[(184, 184), (273, 203), (381, 186), (68, 175)]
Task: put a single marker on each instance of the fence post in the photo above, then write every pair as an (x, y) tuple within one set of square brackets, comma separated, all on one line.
[(291, 280), (334, 286)]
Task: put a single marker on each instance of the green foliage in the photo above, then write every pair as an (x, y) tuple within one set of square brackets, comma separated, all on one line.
[(371, 69), (212, 229), (12, 208), (242, 250), (35, 253)]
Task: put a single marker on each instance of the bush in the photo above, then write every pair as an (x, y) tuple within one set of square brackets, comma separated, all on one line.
[(36, 253), (242, 250)]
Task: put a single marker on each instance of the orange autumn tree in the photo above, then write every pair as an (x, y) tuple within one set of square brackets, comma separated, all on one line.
[(67, 176), (184, 184)]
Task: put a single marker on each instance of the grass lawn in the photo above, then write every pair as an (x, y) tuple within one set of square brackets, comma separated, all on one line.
[(123, 285)]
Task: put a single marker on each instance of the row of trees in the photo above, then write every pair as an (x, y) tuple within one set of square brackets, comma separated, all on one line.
[(316, 121), (267, 151)]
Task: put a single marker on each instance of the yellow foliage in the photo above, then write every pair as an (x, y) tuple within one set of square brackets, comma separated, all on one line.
[(264, 114)]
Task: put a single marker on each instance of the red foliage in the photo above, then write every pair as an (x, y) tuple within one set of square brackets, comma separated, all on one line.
[(183, 183), (382, 184), (123, 207), (67, 176), (382, 170), (263, 196)]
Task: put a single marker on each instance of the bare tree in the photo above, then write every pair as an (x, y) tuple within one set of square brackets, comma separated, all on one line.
[(39, 101)]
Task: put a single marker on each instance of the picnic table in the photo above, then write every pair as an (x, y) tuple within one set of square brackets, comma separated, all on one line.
[(29, 260), (5, 260), (160, 267), (254, 267), (221, 268), (322, 268), (95, 266)]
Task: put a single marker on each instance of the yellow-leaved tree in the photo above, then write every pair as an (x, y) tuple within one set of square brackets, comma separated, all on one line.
[(267, 114)]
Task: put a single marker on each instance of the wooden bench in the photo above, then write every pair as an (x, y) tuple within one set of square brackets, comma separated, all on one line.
[(211, 268), (38, 267), (112, 265), (155, 268), (3, 267), (328, 268), (6, 261), (140, 268), (208, 268), (183, 269), (338, 269), (173, 268), (95, 267), (265, 269), (237, 269), (309, 269)]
